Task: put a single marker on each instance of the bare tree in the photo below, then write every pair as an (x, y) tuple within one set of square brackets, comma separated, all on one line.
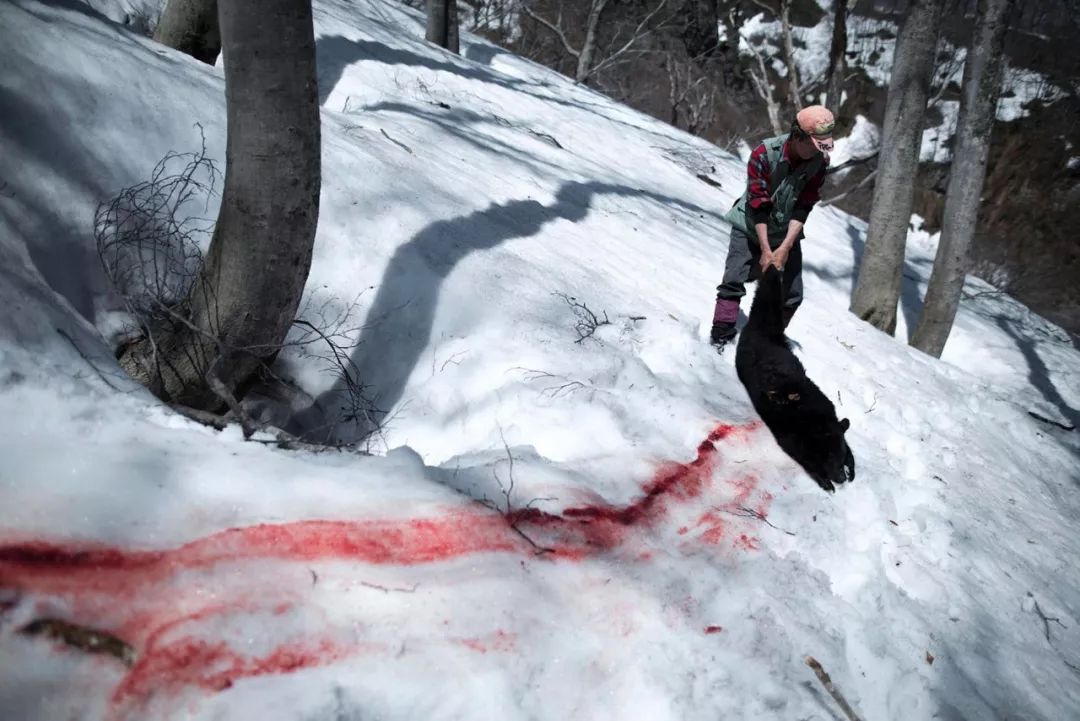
[(585, 53), (701, 27), (692, 94), (245, 297), (794, 87), (763, 85), (442, 24), (789, 55), (587, 57), (978, 102), (877, 290), (191, 26), (834, 79)]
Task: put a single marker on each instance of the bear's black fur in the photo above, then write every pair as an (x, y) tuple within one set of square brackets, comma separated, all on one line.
[(801, 418)]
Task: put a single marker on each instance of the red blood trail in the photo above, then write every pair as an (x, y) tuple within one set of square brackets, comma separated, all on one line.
[(155, 600)]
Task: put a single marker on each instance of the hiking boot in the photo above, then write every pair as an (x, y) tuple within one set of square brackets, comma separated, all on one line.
[(721, 335)]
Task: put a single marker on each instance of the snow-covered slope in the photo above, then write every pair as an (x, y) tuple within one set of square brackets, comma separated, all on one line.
[(557, 530)]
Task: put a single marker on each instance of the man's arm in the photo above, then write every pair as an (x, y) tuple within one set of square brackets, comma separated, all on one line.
[(806, 201), (780, 255), (759, 201)]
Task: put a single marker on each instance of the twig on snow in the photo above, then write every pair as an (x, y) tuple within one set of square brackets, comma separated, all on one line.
[(83, 638), (390, 589), (746, 512), (222, 391), (398, 143), (1045, 619), (550, 139), (508, 513), (559, 388), (827, 682), (587, 320), (506, 491), (872, 405)]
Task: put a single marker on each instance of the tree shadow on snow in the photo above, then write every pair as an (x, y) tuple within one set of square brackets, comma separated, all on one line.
[(463, 125), (484, 53), (335, 53), (911, 299), (398, 325), (982, 686), (1039, 377), (60, 168), (61, 250)]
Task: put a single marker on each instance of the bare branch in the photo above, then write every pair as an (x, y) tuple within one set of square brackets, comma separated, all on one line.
[(789, 54), (747, 512), (217, 385), (638, 34), (764, 7), (873, 405), (391, 589), (827, 682), (83, 638), (837, 198), (764, 87), (587, 320), (853, 162), (553, 28), (1044, 618)]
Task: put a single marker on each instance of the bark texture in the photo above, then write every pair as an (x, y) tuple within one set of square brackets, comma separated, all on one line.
[(442, 24), (245, 299), (588, 50), (191, 26), (978, 104), (877, 290), (837, 59)]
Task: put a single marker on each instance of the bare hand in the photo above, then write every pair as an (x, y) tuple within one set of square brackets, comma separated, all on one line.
[(767, 259), (779, 257)]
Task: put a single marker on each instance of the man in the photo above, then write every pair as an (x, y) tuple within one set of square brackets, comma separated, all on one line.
[(784, 178)]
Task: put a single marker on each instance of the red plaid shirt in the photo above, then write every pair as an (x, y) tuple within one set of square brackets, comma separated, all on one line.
[(759, 193)]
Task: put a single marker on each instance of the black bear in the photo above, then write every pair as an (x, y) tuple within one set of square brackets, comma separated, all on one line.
[(800, 417)]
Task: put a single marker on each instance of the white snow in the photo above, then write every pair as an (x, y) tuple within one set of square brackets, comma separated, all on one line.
[(863, 141), (253, 582)]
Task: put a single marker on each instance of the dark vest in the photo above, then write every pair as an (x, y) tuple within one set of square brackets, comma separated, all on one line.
[(785, 187)]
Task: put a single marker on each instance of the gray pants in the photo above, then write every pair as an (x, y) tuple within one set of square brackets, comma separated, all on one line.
[(743, 266)]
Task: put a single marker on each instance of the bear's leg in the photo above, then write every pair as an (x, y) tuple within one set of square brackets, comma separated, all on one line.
[(793, 285)]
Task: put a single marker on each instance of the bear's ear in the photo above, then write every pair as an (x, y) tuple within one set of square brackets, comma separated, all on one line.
[(845, 424)]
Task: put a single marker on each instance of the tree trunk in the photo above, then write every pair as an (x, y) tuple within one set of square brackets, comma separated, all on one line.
[(453, 37), (878, 288), (588, 50), (834, 82), (789, 55), (764, 89), (191, 26), (978, 104), (442, 25), (701, 29), (437, 29), (245, 298)]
